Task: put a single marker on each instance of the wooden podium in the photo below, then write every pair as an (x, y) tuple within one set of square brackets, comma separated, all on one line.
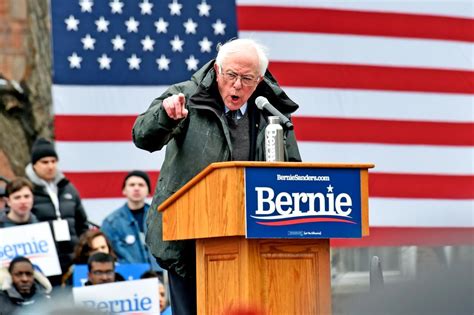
[(271, 276)]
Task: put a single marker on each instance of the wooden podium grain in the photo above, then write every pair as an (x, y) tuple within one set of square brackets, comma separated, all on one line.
[(273, 276)]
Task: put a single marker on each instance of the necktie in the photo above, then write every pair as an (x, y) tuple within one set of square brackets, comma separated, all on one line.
[(232, 116)]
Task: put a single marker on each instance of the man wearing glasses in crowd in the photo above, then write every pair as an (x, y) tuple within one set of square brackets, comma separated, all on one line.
[(210, 118), (101, 267)]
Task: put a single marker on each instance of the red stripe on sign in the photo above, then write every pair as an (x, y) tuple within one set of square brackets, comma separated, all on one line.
[(372, 77), (109, 185), (93, 128), (383, 131), (103, 184), (307, 220), (392, 236), (287, 19), (387, 185)]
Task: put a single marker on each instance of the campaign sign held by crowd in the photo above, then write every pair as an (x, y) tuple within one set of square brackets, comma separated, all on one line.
[(303, 203), (33, 241), (125, 297)]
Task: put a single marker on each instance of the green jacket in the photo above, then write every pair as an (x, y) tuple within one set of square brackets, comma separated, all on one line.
[(195, 142)]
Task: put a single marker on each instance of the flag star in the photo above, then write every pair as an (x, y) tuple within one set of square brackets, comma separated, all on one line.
[(86, 5), (190, 26), (74, 61), (192, 63), (175, 7), (219, 27), (104, 61), (204, 8), (205, 44), (163, 63), (134, 62), (330, 188), (71, 23), (176, 44), (102, 24), (132, 25), (161, 26), (116, 6), (118, 42), (145, 7), (88, 42), (147, 43)]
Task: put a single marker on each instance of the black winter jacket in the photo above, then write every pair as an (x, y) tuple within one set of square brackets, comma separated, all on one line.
[(70, 207)]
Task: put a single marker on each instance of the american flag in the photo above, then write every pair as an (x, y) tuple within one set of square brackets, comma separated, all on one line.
[(389, 82)]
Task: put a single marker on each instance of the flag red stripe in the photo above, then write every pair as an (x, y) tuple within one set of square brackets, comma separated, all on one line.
[(109, 185), (421, 186), (118, 128), (383, 131), (372, 77), (332, 21), (391, 236), (93, 128)]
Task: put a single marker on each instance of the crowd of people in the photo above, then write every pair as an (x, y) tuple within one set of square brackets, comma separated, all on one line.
[(46, 195)]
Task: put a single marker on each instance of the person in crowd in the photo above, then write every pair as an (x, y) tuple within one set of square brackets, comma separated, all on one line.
[(165, 308), (24, 286), (125, 227), (190, 119), (101, 267), (19, 197), (57, 201), (90, 242)]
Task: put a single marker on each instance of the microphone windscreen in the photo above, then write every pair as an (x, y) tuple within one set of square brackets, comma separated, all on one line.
[(260, 102)]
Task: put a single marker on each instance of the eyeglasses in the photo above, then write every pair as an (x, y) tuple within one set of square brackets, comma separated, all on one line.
[(103, 273), (244, 79)]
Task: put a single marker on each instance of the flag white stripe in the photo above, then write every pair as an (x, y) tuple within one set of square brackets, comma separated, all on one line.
[(98, 208), (366, 50), (454, 8), (383, 105), (113, 156), (314, 102), (105, 157), (103, 100), (396, 212), (415, 159)]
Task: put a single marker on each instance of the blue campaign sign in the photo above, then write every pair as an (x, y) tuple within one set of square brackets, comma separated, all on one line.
[(303, 203), (127, 271)]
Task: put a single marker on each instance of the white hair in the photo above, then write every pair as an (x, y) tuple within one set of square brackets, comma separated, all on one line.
[(241, 44)]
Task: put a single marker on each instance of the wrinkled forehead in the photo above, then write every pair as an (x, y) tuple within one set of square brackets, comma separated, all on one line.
[(245, 59)]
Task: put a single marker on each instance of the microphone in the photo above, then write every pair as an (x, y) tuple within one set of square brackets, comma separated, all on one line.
[(262, 103)]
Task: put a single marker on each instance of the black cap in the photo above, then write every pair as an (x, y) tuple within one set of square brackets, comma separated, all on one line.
[(42, 148), (139, 174)]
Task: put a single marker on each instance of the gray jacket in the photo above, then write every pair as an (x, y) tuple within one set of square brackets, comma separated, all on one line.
[(195, 142)]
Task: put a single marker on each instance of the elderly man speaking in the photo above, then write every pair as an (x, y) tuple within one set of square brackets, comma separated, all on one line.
[(210, 118)]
